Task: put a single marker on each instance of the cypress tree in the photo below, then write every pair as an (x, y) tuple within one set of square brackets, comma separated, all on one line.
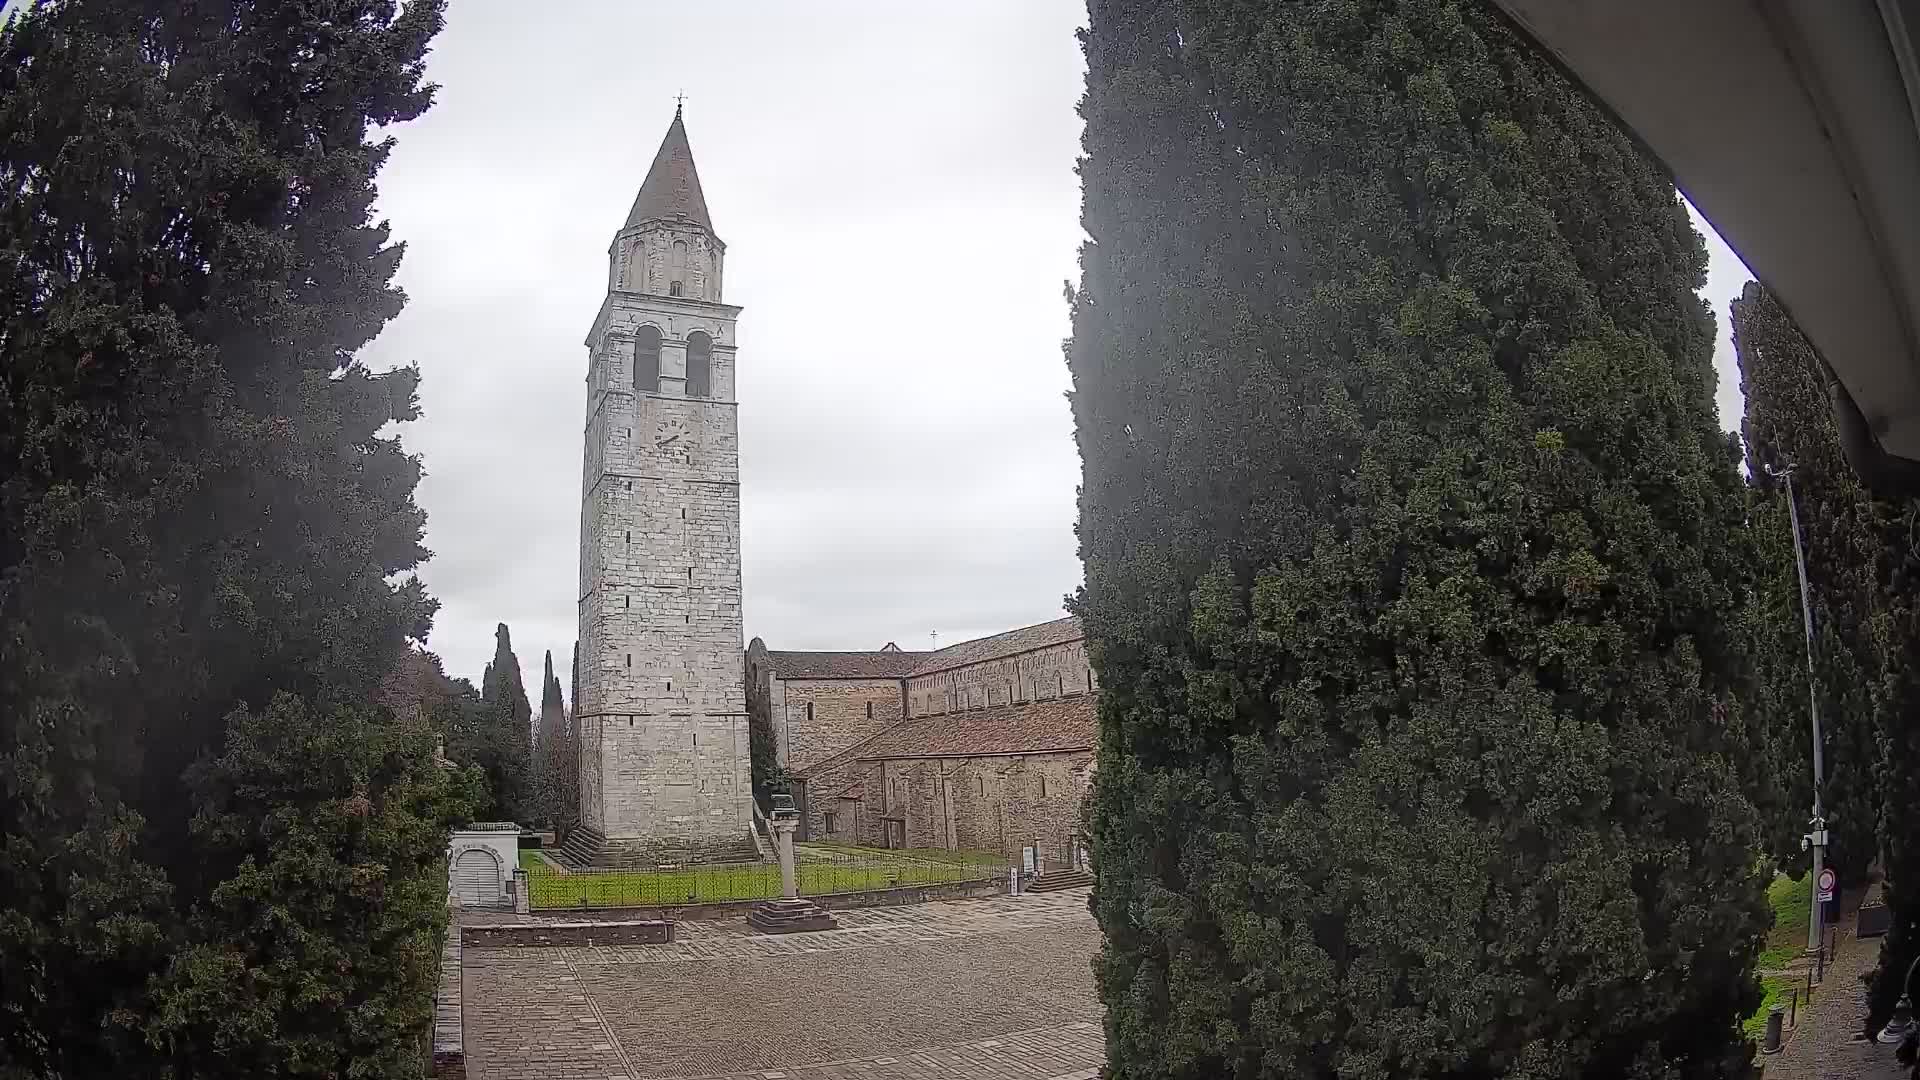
[(201, 525), (1415, 561), (552, 754), (506, 688), (1777, 774), (553, 710), (507, 691), (1862, 567), (1897, 636), (1788, 421), (496, 733)]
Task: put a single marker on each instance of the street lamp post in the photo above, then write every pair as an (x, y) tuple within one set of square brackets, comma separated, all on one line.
[(1816, 838)]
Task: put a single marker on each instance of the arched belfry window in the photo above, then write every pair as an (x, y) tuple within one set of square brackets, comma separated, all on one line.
[(699, 365), (677, 269), (646, 360)]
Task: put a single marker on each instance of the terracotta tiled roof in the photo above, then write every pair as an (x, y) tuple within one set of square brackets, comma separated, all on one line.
[(843, 665), (892, 663), (1029, 727), (1025, 639), (672, 187)]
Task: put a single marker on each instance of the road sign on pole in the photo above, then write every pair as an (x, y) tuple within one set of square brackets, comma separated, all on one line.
[(1824, 886)]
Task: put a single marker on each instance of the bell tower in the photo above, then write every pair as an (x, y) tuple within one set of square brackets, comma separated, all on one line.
[(662, 718)]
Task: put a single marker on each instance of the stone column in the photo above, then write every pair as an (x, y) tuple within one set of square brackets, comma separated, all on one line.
[(791, 912), (783, 842)]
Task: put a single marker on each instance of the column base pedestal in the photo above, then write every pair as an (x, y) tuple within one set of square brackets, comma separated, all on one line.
[(793, 915)]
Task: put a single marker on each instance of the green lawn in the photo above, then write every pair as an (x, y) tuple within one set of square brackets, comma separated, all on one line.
[(963, 857), (1773, 990), (1791, 901), (750, 881), (1786, 942)]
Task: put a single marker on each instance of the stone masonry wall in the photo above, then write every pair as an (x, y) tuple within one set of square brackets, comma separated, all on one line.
[(662, 697), (552, 933), (992, 803), (1029, 676), (815, 719), (855, 822), (644, 260)]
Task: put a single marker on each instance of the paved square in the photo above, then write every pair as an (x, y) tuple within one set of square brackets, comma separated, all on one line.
[(984, 988)]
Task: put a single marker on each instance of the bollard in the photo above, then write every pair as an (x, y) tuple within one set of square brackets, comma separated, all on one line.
[(1793, 1007), (1775, 1015)]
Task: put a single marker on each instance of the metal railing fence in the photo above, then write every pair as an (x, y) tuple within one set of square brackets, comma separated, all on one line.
[(826, 874)]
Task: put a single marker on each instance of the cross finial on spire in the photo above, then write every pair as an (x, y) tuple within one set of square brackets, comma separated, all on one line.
[(679, 100)]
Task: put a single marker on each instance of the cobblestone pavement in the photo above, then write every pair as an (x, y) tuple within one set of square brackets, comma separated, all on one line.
[(1823, 1046), (982, 988)]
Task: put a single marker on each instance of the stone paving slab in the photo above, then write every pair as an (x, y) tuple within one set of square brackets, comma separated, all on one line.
[(996, 989), (1065, 1052), (876, 928)]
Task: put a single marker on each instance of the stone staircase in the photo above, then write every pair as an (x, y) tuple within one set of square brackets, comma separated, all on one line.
[(1056, 879), (794, 915)]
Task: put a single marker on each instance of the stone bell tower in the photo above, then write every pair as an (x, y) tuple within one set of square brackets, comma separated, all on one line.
[(662, 717)]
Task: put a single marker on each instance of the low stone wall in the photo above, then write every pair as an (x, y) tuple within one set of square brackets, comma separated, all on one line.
[(573, 934), (449, 1060)]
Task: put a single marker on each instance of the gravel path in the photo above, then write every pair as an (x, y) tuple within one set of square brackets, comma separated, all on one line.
[(1823, 1046)]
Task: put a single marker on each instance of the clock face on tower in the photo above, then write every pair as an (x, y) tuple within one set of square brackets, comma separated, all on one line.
[(672, 440)]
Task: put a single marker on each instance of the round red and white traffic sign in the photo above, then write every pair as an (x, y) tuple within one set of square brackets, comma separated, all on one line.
[(1826, 883)]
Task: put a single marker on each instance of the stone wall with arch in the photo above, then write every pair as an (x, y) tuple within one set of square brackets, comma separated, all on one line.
[(481, 860), (653, 256)]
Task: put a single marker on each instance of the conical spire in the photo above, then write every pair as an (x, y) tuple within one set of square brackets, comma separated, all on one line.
[(672, 187)]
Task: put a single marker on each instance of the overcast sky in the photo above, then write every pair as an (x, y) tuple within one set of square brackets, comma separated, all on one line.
[(896, 189)]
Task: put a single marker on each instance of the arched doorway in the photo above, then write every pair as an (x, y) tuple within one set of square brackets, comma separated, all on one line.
[(477, 879)]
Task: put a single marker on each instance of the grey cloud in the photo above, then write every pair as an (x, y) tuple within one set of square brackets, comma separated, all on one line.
[(895, 184)]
